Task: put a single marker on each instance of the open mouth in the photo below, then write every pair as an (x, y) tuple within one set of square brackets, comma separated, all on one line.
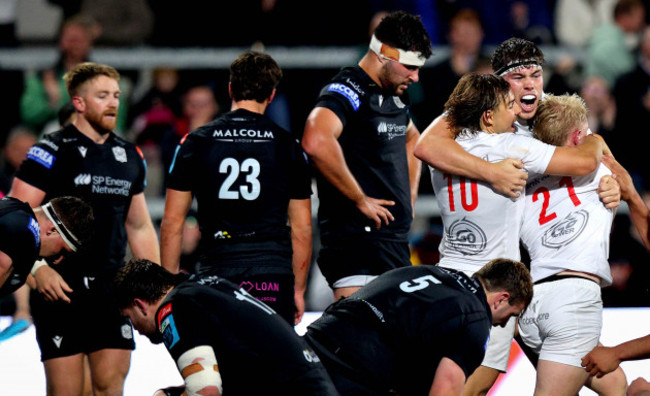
[(528, 102)]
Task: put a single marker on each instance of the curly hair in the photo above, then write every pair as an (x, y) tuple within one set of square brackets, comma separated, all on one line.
[(254, 76), (474, 94), (405, 31), (514, 50)]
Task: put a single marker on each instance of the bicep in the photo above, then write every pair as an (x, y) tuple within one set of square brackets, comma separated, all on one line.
[(27, 193), (323, 126), (448, 380)]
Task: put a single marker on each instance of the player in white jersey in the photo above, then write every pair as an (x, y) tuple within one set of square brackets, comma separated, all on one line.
[(520, 63), (479, 222), (565, 230)]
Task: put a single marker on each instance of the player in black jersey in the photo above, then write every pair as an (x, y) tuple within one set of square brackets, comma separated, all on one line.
[(419, 330), (360, 137), (74, 314), (249, 177), (212, 329), (49, 231)]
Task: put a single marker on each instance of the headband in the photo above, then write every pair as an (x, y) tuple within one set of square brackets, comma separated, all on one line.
[(410, 58), (516, 65), (67, 236)]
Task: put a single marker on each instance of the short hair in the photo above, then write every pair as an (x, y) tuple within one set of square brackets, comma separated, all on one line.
[(474, 94), (507, 275), (254, 76), (514, 50), (405, 31), (145, 280), (87, 71), (623, 7), (76, 215), (557, 116)]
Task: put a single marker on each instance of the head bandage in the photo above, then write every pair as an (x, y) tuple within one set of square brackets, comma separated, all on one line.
[(410, 58), (67, 236), (516, 65)]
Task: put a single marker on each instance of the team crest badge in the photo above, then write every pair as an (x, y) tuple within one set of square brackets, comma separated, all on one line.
[(119, 153)]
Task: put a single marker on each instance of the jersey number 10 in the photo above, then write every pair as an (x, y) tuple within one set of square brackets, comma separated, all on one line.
[(473, 188)]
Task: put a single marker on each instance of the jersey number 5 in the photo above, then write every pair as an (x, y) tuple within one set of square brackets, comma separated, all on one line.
[(249, 191), (418, 283), (565, 182)]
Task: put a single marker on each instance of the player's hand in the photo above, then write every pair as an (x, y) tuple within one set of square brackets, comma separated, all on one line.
[(609, 192), (622, 176), (375, 210), (51, 87), (508, 177), (299, 298), (600, 361), (170, 391), (639, 387), (51, 285)]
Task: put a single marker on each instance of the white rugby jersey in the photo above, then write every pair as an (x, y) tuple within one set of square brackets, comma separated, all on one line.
[(481, 224), (566, 226)]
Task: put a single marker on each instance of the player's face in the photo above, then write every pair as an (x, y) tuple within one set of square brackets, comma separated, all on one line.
[(505, 114), (396, 77), (102, 98), (504, 312), (53, 247), (144, 324), (526, 83)]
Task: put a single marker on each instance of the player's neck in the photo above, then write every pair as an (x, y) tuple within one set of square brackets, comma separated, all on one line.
[(84, 127), (250, 105)]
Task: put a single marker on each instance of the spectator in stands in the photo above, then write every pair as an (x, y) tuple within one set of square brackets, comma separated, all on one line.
[(465, 38), (44, 91), (15, 150), (600, 102), (632, 96), (576, 20), (609, 54)]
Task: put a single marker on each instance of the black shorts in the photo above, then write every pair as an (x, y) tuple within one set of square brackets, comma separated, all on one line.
[(268, 278), (91, 322), (361, 256)]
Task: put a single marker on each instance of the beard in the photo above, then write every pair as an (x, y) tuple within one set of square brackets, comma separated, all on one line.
[(100, 123)]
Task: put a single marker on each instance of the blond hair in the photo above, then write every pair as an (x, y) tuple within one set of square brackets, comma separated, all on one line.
[(557, 116), (87, 71)]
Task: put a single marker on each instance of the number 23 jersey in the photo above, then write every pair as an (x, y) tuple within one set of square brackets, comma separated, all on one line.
[(481, 224)]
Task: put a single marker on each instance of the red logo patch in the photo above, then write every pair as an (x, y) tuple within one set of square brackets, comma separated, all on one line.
[(164, 311)]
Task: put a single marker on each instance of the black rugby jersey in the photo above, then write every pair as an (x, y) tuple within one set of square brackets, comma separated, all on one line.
[(394, 331), (243, 169), (106, 176), (20, 239), (257, 351), (374, 145)]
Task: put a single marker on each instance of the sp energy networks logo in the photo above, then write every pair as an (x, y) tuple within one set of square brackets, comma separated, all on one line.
[(104, 184), (566, 230), (465, 237), (391, 130)]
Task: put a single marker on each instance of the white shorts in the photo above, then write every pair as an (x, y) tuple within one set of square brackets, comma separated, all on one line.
[(497, 353), (563, 322)]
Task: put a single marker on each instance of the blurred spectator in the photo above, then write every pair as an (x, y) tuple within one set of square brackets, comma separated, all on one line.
[(576, 20), (44, 91), (532, 20), (465, 38), (18, 143), (632, 96), (601, 105), (610, 54), (120, 23), (190, 243), (158, 109)]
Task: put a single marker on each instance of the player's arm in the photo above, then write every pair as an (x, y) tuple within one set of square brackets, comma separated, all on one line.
[(177, 204), (415, 165), (48, 281), (437, 147), (5, 267), (639, 387), (320, 142), (140, 231), (639, 212), (301, 242), (602, 360), (199, 369), (449, 379), (578, 160)]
